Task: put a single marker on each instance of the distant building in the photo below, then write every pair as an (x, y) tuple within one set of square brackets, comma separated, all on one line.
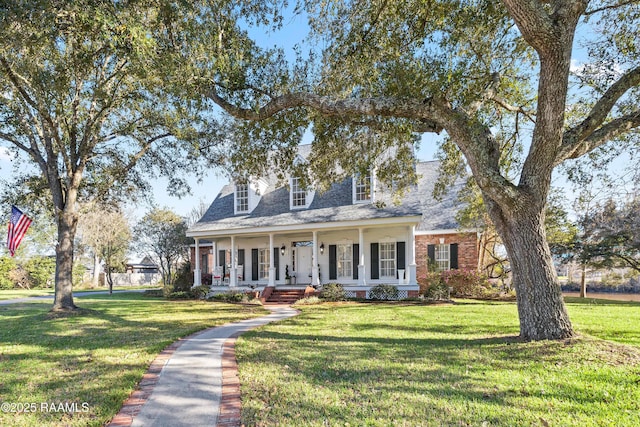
[(146, 265)]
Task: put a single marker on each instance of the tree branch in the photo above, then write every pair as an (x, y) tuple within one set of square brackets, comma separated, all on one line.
[(349, 108), (574, 139), (611, 6), (533, 21), (601, 136)]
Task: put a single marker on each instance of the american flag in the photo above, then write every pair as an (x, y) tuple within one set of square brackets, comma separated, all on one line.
[(18, 226)]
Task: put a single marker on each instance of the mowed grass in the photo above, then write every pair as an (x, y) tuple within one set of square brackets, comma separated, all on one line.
[(93, 358), (6, 294), (441, 365)]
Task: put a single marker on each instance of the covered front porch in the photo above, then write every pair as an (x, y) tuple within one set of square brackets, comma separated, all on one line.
[(358, 256)]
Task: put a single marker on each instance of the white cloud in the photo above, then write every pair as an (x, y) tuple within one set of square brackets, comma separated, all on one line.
[(597, 69)]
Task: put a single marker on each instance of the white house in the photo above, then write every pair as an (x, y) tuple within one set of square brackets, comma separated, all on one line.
[(353, 234)]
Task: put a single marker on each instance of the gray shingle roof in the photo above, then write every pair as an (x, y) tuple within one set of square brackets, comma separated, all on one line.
[(335, 205)]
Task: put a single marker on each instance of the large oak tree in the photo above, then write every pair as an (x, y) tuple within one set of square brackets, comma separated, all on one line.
[(493, 76), (87, 103)]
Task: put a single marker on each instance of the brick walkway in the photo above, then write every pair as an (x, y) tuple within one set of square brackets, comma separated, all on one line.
[(230, 401)]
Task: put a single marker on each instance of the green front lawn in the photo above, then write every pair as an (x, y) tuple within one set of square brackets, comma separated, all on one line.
[(6, 294), (442, 365), (92, 359), (23, 293)]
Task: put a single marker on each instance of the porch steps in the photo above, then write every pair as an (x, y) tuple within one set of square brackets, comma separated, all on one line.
[(285, 296)]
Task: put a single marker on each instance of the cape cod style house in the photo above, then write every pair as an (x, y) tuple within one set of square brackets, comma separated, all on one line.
[(258, 235)]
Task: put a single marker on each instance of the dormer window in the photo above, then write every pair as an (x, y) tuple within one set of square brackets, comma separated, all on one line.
[(242, 198), (298, 194), (362, 189)]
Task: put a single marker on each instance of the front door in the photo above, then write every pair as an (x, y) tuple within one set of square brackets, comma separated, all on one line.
[(303, 256)]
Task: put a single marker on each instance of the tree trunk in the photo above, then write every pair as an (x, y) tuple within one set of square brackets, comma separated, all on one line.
[(109, 279), (541, 308), (96, 271), (63, 300), (583, 282)]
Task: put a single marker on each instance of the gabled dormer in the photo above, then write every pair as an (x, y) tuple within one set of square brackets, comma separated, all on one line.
[(299, 196), (363, 188), (247, 195)]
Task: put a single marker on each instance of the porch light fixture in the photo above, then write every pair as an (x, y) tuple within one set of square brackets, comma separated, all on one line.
[(321, 248), (282, 249)]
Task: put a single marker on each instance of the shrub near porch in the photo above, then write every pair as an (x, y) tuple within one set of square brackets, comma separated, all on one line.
[(394, 364)]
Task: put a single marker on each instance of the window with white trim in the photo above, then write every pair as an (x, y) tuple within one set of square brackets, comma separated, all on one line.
[(263, 264), (242, 198), (344, 259), (362, 190), (441, 257), (298, 194), (387, 259)]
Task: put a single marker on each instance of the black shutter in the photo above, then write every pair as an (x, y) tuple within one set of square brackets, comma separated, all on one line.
[(254, 264), (222, 261), (400, 257), (355, 260), (375, 262), (453, 256), (276, 262), (333, 267), (241, 262), (431, 257)]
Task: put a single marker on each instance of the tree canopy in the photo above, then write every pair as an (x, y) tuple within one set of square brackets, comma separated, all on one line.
[(161, 235), (495, 77), (88, 101)]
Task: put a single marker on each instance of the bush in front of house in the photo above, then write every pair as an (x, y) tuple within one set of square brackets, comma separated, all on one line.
[(432, 286), (179, 295), (437, 291), (228, 297), (206, 279), (235, 297), (199, 292), (333, 292), (183, 279), (384, 293), (466, 283)]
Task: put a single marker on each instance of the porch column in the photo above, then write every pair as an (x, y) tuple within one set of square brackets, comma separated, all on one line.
[(412, 280), (233, 277), (315, 272), (214, 248), (214, 267), (362, 271), (196, 271), (272, 268)]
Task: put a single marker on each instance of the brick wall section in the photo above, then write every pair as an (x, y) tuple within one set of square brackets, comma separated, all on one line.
[(467, 250), (203, 250)]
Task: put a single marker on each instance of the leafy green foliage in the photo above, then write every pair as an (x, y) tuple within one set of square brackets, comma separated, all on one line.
[(466, 283), (107, 233), (615, 231), (89, 104), (40, 270), (333, 292), (7, 265), (456, 283), (384, 293), (161, 235)]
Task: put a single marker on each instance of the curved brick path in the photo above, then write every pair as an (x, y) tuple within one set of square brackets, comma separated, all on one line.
[(194, 381)]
